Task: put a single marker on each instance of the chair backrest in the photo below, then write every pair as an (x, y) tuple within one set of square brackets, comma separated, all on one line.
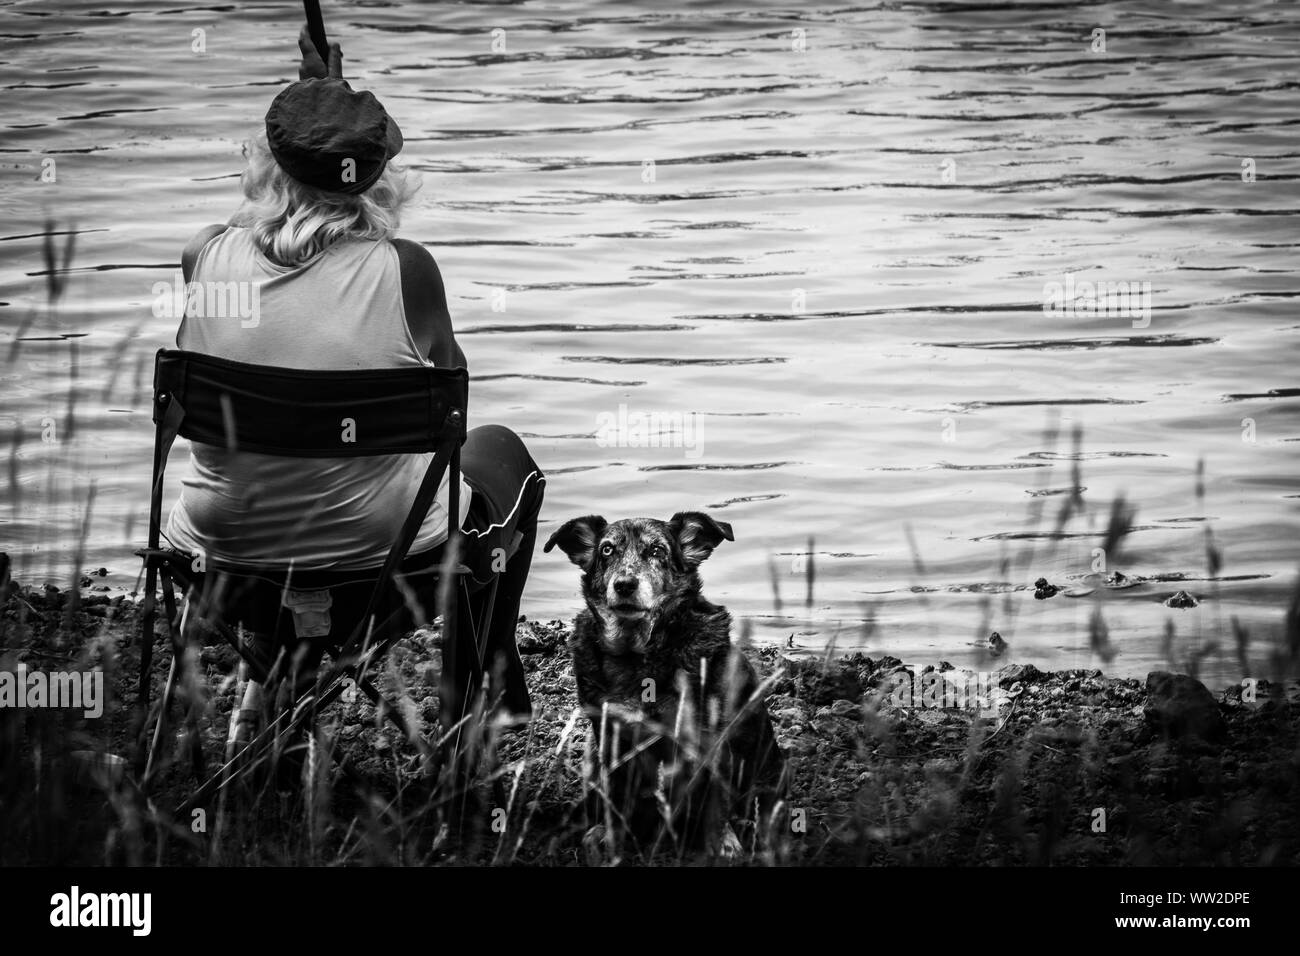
[(314, 414), (308, 413)]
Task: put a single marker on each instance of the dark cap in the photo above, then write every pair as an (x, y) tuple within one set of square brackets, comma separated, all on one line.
[(325, 134)]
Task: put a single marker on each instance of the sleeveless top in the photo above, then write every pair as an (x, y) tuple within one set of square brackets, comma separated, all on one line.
[(343, 309)]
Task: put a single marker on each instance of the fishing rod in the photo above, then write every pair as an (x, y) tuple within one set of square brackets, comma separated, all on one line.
[(316, 29)]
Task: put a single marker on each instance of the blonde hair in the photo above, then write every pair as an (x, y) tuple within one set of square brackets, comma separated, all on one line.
[(291, 222)]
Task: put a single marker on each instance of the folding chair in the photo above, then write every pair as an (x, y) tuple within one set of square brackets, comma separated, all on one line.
[(305, 414)]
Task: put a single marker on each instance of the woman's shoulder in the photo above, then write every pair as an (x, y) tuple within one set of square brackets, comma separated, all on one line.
[(190, 256), (415, 259), (421, 280)]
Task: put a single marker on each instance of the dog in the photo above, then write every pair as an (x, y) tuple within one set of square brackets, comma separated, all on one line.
[(685, 743)]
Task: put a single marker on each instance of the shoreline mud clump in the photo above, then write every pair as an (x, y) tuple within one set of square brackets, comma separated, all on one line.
[(888, 765)]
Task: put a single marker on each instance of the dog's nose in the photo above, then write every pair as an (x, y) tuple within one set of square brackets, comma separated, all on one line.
[(625, 587)]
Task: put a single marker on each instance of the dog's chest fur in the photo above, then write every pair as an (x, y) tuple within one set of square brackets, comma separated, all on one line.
[(680, 643)]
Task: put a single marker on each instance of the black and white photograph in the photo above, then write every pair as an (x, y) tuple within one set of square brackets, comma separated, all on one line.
[(748, 436)]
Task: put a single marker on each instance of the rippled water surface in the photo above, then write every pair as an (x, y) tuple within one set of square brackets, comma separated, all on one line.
[(829, 285)]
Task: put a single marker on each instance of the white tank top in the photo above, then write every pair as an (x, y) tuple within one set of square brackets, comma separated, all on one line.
[(341, 310)]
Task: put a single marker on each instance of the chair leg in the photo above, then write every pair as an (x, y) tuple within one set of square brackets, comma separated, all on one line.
[(485, 620), (173, 672), (173, 675), (148, 612), (181, 647), (173, 625), (147, 615)]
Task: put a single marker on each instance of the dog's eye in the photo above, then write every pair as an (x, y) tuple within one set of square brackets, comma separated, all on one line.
[(658, 552), (606, 550)]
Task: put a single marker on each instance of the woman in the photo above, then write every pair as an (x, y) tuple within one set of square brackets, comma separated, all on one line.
[(314, 240)]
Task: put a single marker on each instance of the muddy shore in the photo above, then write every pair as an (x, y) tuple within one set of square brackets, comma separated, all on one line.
[(888, 766)]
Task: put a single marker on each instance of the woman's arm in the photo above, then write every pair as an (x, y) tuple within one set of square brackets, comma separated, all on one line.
[(426, 305), (311, 66)]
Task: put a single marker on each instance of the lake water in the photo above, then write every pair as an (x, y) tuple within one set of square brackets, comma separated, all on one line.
[(815, 242)]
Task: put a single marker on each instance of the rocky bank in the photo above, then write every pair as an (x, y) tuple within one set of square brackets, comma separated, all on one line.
[(888, 766)]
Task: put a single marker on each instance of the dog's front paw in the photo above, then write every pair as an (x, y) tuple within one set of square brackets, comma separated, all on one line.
[(595, 846), (730, 847)]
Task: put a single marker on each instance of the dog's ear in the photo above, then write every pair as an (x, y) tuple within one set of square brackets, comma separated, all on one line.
[(577, 538), (698, 535)]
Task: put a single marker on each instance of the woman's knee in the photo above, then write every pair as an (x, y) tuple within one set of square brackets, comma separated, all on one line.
[(496, 437), (500, 446)]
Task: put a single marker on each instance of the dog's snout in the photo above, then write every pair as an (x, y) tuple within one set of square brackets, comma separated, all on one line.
[(625, 587)]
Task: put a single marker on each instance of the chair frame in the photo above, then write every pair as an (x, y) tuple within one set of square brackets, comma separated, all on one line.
[(217, 401)]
